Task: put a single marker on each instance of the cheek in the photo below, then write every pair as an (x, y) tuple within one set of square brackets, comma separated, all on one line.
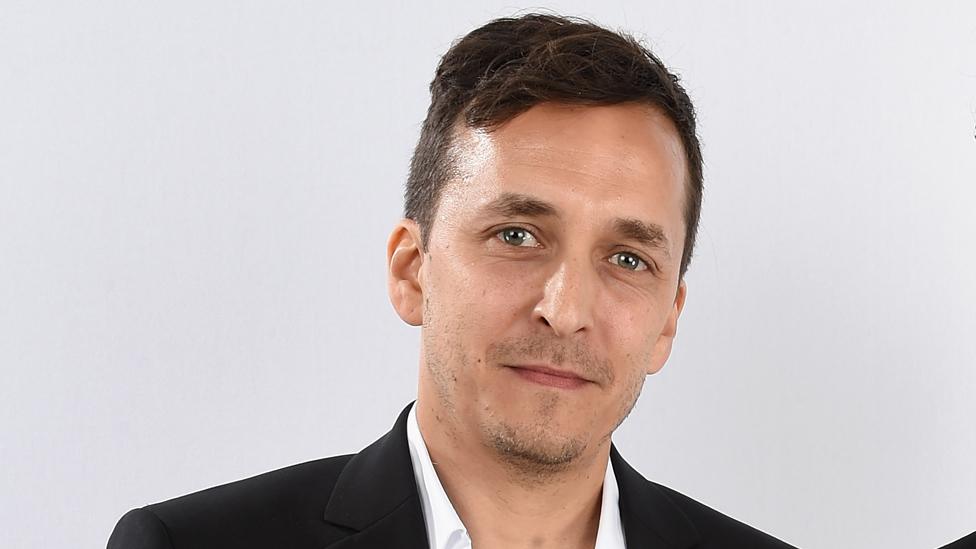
[(473, 300), (633, 353), (631, 336), (501, 287)]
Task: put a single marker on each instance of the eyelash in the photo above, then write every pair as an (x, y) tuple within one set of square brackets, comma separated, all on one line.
[(649, 265)]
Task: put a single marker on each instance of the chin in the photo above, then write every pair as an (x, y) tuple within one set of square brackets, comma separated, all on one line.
[(534, 441), (529, 449)]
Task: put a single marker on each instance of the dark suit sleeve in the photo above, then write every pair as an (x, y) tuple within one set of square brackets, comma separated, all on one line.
[(139, 529), (968, 542)]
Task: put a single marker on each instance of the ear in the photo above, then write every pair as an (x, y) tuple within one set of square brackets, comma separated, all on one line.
[(404, 257), (662, 347)]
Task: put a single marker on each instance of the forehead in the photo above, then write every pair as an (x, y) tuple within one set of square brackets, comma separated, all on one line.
[(599, 160), (631, 136)]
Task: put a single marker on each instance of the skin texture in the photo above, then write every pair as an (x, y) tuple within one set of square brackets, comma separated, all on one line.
[(552, 277)]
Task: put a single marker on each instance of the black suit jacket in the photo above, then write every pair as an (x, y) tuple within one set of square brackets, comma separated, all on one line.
[(968, 542), (370, 501)]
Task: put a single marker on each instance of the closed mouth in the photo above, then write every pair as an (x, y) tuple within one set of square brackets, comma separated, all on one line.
[(546, 375)]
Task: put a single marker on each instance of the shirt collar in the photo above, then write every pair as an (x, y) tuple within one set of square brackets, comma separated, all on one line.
[(445, 529), (610, 532)]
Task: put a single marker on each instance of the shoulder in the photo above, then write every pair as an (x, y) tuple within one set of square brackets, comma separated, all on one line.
[(717, 529), (968, 542), (292, 490), (281, 508), (679, 519)]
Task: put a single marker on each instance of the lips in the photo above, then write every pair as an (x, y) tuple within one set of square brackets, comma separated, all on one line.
[(552, 377)]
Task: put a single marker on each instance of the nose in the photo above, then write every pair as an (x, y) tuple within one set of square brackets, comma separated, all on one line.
[(567, 301)]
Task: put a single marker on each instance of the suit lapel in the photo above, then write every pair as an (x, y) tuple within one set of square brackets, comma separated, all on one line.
[(376, 498), (403, 528), (649, 518)]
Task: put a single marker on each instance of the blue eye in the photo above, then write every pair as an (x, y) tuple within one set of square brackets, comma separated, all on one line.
[(629, 261), (517, 236)]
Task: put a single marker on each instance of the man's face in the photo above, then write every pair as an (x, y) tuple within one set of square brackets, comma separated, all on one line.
[(549, 288)]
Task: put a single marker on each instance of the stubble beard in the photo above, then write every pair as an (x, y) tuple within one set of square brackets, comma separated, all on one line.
[(537, 453), (532, 450), (531, 447)]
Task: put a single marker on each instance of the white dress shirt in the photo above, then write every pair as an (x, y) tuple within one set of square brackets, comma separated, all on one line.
[(445, 529)]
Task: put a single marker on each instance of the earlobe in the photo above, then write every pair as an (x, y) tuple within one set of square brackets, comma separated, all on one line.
[(404, 258), (662, 347)]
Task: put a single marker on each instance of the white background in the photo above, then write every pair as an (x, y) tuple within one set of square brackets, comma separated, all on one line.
[(194, 205)]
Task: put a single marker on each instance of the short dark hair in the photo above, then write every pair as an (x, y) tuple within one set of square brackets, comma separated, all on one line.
[(509, 65)]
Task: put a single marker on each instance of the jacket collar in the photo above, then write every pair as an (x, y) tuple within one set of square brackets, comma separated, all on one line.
[(649, 516), (376, 495), (376, 498)]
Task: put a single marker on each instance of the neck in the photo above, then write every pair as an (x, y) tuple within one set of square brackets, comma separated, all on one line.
[(506, 504)]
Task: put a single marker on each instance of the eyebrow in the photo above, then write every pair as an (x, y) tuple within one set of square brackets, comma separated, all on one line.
[(648, 234), (516, 204)]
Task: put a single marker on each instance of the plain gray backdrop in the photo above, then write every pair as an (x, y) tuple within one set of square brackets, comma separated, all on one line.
[(195, 199)]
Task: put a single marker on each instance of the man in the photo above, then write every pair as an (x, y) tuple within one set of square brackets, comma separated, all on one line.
[(551, 213)]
